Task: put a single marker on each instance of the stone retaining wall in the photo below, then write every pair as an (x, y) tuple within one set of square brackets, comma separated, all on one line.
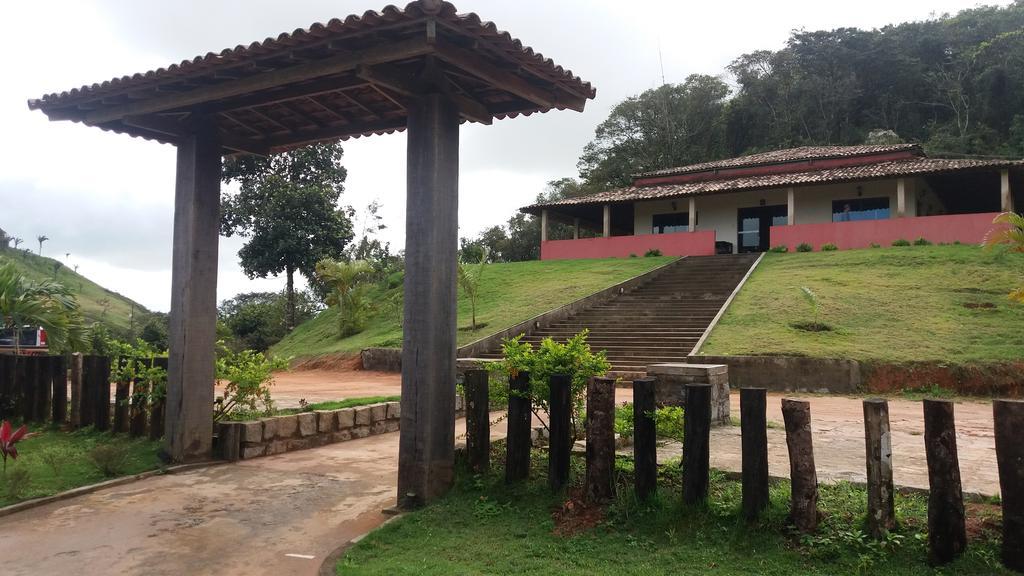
[(381, 359), (279, 434), (789, 373)]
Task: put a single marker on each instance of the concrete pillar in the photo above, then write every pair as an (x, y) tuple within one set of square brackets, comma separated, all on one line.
[(575, 228), (426, 455), (692, 216), (790, 206), (607, 220), (188, 428), (901, 198), (544, 225), (1004, 191)]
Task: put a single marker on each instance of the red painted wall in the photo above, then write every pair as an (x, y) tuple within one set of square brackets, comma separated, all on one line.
[(676, 244), (965, 228)]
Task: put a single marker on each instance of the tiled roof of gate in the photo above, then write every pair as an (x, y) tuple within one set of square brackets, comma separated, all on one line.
[(800, 154), (911, 167)]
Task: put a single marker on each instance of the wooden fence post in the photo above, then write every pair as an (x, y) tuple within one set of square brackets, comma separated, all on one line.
[(229, 440), (560, 428), (29, 380), (803, 476), (947, 532), (696, 443), (645, 438), (7, 395), (157, 407), (478, 425), (97, 384), (137, 419), (1009, 422), (76, 390), (121, 406), (878, 449), (754, 442), (44, 388), (59, 380), (600, 476), (517, 443)]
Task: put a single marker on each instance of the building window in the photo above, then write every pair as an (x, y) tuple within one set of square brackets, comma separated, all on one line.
[(860, 209), (669, 223)]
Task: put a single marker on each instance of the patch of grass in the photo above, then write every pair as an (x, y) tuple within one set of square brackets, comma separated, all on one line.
[(53, 461), (509, 293), (486, 527), (933, 391), (886, 304)]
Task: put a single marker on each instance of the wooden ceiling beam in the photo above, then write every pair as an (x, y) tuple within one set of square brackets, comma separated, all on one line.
[(417, 46), (489, 72), (389, 77), (314, 88), (304, 137), (174, 130)]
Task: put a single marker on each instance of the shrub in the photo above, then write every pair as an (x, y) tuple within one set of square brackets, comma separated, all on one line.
[(632, 255), (780, 249), (652, 252), (830, 247), (922, 242), (109, 459), (55, 457), (249, 375), (804, 247), (668, 421), (16, 482), (876, 245), (573, 358), (901, 242)]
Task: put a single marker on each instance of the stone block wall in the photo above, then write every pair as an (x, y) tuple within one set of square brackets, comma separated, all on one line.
[(279, 434), (671, 381)]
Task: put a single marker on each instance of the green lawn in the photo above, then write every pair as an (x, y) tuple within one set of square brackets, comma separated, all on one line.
[(484, 527), (509, 294), (51, 461), (889, 304), (90, 295)]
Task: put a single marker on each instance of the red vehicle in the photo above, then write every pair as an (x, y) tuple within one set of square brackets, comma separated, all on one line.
[(31, 340)]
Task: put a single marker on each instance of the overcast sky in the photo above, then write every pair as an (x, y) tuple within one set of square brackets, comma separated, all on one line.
[(108, 198)]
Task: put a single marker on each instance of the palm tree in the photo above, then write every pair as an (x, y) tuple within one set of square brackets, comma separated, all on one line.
[(17, 242), (347, 292), (1009, 231), (45, 303), (42, 238), (469, 280), (67, 256)]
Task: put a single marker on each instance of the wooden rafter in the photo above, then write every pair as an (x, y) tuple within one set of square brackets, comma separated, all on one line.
[(327, 109), (387, 76), (169, 130)]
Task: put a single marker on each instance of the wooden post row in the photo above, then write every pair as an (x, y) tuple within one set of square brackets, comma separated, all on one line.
[(1009, 424), (599, 484), (754, 441), (137, 417), (947, 531), (878, 449), (696, 443), (560, 428), (157, 408), (76, 390), (645, 438), (517, 443), (478, 425), (802, 473)]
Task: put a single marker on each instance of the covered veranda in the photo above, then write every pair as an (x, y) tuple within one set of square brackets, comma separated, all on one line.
[(425, 69)]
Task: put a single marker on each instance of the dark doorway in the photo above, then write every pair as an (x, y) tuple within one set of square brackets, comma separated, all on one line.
[(754, 224)]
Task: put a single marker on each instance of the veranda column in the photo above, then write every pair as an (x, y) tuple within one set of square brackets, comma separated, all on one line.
[(607, 220), (575, 228), (901, 198), (426, 456), (692, 216), (188, 428), (544, 225), (790, 206), (1004, 191)]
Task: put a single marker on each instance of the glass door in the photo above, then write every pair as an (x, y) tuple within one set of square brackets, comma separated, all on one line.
[(753, 226)]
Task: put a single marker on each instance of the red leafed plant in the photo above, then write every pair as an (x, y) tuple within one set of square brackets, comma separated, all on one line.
[(8, 440)]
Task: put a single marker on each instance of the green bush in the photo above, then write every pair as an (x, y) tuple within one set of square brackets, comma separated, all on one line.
[(876, 245), (668, 421), (631, 255), (804, 247), (249, 375), (653, 252), (109, 459), (830, 247), (922, 242), (780, 249), (901, 242)]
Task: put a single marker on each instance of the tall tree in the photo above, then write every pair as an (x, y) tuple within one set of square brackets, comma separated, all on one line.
[(42, 238), (287, 208)]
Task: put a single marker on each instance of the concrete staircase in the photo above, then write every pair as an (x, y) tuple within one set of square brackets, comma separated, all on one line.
[(661, 320)]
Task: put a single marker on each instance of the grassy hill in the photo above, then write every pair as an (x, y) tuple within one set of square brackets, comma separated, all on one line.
[(91, 296), (945, 303), (509, 293)]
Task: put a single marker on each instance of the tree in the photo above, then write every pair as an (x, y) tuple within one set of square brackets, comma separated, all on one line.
[(42, 238), (287, 207), (17, 242), (257, 320), (347, 291), (469, 280), (24, 302)]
